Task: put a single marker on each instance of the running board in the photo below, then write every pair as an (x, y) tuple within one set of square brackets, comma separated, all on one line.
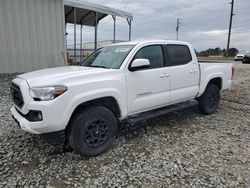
[(159, 112)]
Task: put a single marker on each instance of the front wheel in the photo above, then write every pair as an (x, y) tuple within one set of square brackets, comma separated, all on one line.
[(92, 131), (209, 100)]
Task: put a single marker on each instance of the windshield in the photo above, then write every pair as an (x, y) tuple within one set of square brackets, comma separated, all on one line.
[(110, 57)]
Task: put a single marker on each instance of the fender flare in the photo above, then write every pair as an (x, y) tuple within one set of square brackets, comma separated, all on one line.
[(93, 95)]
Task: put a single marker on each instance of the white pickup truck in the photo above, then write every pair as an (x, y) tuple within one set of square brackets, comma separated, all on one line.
[(128, 81)]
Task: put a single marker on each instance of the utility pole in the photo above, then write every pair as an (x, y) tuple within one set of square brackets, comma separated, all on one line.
[(177, 28), (230, 26)]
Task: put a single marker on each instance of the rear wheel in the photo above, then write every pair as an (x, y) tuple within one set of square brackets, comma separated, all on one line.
[(209, 100), (92, 131)]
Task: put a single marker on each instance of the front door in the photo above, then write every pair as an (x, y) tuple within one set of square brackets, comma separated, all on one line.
[(148, 88)]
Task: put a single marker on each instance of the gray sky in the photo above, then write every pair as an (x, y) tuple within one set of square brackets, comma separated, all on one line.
[(203, 23)]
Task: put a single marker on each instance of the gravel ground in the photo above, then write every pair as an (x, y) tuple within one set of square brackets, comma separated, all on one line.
[(182, 149)]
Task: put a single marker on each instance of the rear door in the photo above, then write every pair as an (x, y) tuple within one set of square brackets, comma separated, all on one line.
[(148, 88), (184, 83)]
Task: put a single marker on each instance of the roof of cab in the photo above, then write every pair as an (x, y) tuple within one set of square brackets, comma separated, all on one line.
[(142, 42)]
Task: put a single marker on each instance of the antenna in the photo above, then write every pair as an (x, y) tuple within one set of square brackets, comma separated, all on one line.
[(177, 28)]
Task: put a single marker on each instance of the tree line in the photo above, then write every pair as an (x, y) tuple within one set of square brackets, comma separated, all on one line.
[(218, 52)]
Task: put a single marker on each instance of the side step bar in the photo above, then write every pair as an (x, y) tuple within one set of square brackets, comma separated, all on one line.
[(159, 112)]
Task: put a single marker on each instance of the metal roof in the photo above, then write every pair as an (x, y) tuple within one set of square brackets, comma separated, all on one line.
[(86, 12)]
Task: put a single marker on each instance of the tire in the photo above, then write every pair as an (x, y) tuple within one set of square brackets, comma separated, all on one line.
[(92, 131), (209, 100)]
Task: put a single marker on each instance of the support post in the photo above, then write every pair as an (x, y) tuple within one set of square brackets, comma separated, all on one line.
[(66, 35), (114, 18), (129, 23), (75, 35), (81, 54), (230, 26), (96, 24)]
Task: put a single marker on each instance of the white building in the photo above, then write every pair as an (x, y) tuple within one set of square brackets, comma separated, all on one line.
[(32, 32)]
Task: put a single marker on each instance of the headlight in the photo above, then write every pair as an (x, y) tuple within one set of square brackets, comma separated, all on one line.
[(47, 93)]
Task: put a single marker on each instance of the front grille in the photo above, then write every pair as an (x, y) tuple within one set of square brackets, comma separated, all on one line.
[(16, 95)]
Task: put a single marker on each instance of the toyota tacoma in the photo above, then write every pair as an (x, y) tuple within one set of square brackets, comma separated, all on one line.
[(133, 81)]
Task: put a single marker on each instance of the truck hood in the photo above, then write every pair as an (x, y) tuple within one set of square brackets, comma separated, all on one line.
[(58, 75)]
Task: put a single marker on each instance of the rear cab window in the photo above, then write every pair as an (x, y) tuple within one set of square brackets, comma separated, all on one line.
[(177, 54)]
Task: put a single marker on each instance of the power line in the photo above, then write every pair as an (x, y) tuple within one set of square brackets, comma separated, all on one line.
[(243, 13), (201, 21), (244, 32), (230, 26)]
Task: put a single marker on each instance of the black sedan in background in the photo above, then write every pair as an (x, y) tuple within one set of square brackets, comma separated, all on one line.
[(246, 58)]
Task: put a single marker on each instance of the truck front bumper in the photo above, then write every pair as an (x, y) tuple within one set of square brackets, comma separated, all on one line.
[(50, 137), (31, 124), (23, 123)]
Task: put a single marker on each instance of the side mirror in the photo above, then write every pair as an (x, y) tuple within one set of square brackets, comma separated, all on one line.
[(138, 64)]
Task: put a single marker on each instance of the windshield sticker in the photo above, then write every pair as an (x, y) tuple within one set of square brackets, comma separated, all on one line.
[(122, 50)]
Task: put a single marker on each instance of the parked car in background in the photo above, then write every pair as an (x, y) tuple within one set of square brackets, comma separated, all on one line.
[(240, 56), (246, 58)]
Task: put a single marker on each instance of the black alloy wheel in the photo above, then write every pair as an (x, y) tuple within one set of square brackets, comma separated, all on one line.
[(92, 130), (96, 133), (209, 100)]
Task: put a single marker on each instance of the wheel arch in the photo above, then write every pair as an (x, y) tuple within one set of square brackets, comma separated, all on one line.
[(108, 102), (217, 80)]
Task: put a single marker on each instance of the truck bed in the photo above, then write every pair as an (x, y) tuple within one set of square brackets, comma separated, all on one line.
[(210, 69)]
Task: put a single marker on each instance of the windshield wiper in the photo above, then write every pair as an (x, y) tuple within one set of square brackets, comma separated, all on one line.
[(98, 66)]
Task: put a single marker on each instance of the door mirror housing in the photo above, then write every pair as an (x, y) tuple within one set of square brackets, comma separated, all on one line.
[(138, 64)]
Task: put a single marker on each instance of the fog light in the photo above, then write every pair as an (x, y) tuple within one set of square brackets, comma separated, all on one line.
[(34, 115), (39, 116)]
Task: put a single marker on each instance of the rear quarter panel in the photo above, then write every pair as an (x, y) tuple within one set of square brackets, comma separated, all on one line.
[(208, 71)]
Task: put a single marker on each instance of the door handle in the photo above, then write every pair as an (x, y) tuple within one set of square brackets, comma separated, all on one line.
[(164, 75), (193, 71)]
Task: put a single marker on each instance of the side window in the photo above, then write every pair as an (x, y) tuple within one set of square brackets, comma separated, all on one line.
[(178, 55), (153, 53)]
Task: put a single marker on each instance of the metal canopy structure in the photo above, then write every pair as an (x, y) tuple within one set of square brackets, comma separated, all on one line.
[(89, 14)]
